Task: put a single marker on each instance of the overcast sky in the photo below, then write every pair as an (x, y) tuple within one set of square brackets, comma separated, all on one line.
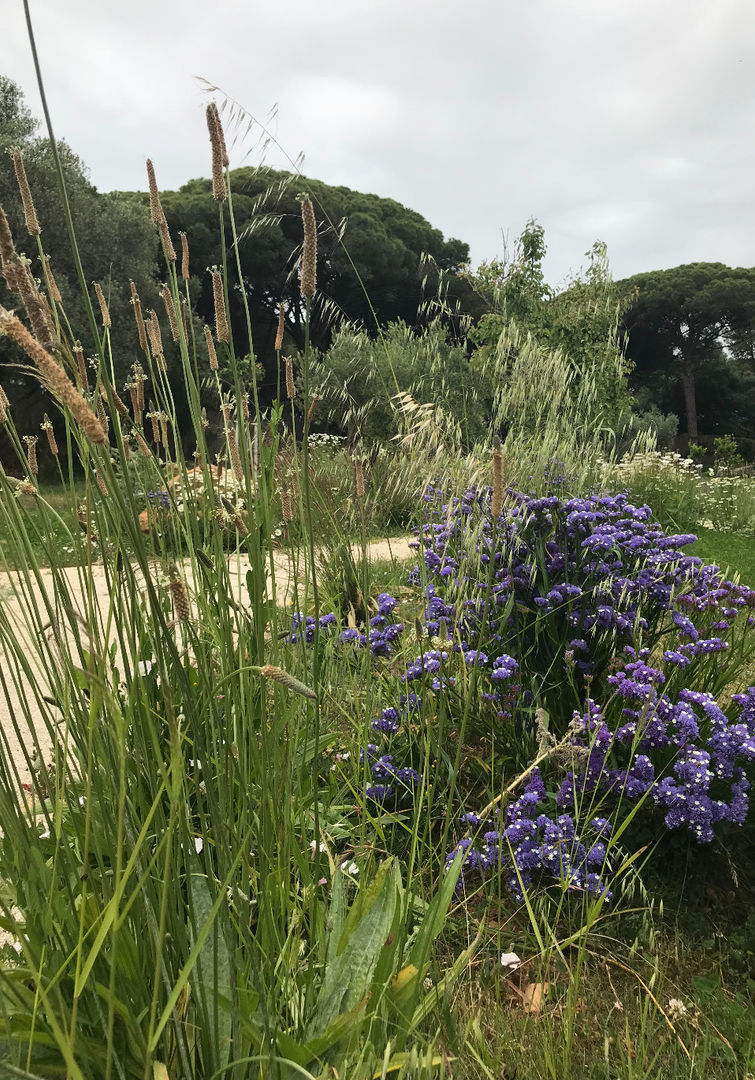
[(628, 122)]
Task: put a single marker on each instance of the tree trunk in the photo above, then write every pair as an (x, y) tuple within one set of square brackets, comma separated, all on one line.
[(690, 404)]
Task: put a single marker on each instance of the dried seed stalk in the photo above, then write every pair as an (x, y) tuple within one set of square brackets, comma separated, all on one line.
[(496, 502), (51, 282), (103, 306), (30, 214), (184, 256), (309, 250), (54, 376), (139, 317), (221, 319), (31, 454), (50, 433), (211, 349), (170, 311), (281, 327), (219, 191)]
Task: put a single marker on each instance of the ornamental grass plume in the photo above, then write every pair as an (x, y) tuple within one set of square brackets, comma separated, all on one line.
[(211, 349), (50, 433), (281, 327), (139, 317), (103, 305), (217, 142), (221, 319), (31, 454), (54, 376), (496, 504), (30, 214), (51, 282), (170, 311), (184, 256), (290, 384), (309, 250)]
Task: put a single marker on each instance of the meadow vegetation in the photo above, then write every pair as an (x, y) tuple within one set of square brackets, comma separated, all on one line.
[(479, 812)]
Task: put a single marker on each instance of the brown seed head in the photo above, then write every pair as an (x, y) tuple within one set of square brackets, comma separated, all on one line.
[(168, 249), (269, 671), (139, 318), (309, 250), (311, 410), (30, 214), (290, 384), (50, 433), (103, 305), (496, 502), (184, 256), (211, 349), (54, 376), (140, 442), (180, 596), (102, 416), (221, 320), (222, 135), (120, 406), (170, 311), (286, 510), (78, 352), (281, 327), (359, 478), (51, 283), (155, 337), (155, 206), (31, 454), (153, 418), (100, 484), (219, 191)]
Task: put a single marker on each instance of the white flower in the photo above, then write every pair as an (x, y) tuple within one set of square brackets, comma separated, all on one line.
[(676, 1009), (145, 666), (198, 844), (17, 946), (320, 847), (350, 868), (510, 961)]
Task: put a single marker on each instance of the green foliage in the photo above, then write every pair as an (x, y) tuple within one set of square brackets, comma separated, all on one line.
[(678, 325), (581, 320)]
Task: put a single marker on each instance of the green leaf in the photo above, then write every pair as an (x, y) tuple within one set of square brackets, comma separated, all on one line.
[(211, 980)]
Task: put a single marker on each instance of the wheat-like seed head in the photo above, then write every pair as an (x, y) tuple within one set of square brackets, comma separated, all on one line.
[(50, 433), (184, 256), (31, 454), (170, 311), (30, 214), (221, 319), (217, 141), (309, 250), (281, 327), (51, 282), (290, 384), (103, 305), (211, 349), (54, 376)]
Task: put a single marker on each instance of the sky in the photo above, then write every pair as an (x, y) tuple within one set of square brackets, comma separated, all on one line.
[(632, 123)]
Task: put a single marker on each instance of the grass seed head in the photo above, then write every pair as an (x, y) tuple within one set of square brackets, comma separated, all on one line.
[(31, 454), (170, 311), (309, 250), (496, 504), (103, 305), (30, 214), (51, 282), (54, 376), (221, 319), (211, 349), (139, 317), (184, 256), (281, 328), (219, 157), (290, 384)]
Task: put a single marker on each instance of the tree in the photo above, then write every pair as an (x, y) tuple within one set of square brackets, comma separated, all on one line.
[(679, 324), (370, 266)]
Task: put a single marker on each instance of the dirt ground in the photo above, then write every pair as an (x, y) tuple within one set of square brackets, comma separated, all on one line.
[(12, 720)]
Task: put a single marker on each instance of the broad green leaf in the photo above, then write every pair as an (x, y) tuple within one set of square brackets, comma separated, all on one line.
[(211, 979)]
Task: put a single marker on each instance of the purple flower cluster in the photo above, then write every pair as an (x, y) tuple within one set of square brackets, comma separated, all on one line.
[(528, 842), (686, 756), (562, 584), (381, 634)]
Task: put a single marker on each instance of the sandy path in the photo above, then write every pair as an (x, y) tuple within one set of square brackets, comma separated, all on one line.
[(21, 686)]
